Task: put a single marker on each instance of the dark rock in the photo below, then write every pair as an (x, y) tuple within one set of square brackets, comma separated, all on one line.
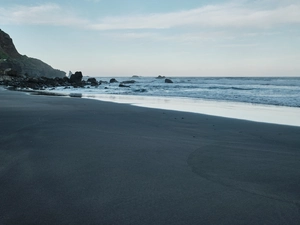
[(123, 85), (160, 77), (76, 78), (113, 80), (78, 85), (11, 72), (66, 79), (169, 81), (93, 81), (36, 83), (83, 83), (33, 80)]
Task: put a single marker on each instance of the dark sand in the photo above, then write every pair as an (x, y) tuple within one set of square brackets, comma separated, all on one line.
[(78, 161)]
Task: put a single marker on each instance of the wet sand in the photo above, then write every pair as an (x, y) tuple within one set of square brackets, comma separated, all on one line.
[(80, 161)]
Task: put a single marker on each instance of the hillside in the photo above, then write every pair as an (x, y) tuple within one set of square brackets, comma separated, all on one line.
[(11, 60)]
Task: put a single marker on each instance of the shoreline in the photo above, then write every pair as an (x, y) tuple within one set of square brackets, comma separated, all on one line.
[(78, 161), (280, 115), (234, 110)]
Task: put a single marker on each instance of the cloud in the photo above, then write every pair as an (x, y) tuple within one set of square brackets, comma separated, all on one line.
[(45, 14), (186, 37), (229, 15)]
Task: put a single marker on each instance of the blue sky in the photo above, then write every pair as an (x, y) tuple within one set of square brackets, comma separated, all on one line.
[(158, 37)]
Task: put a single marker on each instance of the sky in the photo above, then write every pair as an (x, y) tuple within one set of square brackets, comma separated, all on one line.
[(158, 37)]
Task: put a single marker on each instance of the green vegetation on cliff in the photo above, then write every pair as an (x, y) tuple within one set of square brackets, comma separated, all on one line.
[(3, 55)]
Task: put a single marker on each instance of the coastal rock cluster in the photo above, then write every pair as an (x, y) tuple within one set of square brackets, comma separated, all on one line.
[(75, 80), (41, 83), (12, 63)]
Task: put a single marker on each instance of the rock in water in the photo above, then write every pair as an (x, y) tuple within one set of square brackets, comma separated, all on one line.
[(10, 58), (123, 85), (113, 80), (93, 81), (128, 82), (169, 81)]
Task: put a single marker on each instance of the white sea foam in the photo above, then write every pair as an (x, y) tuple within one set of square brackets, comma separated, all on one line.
[(253, 112), (272, 100)]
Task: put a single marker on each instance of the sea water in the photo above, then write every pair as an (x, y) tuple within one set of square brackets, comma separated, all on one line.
[(263, 99)]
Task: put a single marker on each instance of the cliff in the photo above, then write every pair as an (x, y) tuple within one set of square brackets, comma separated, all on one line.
[(13, 62)]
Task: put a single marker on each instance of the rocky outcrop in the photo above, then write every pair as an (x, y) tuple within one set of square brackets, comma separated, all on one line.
[(7, 48), (11, 59), (35, 83), (76, 77), (41, 83)]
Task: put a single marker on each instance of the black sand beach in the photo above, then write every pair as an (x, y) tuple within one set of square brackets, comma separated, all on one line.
[(78, 161)]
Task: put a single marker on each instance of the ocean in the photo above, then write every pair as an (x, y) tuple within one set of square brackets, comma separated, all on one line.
[(234, 97)]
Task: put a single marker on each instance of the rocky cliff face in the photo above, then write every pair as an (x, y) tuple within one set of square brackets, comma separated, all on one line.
[(7, 47), (13, 62)]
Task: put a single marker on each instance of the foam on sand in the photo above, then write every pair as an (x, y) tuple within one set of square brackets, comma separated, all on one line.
[(253, 112)]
